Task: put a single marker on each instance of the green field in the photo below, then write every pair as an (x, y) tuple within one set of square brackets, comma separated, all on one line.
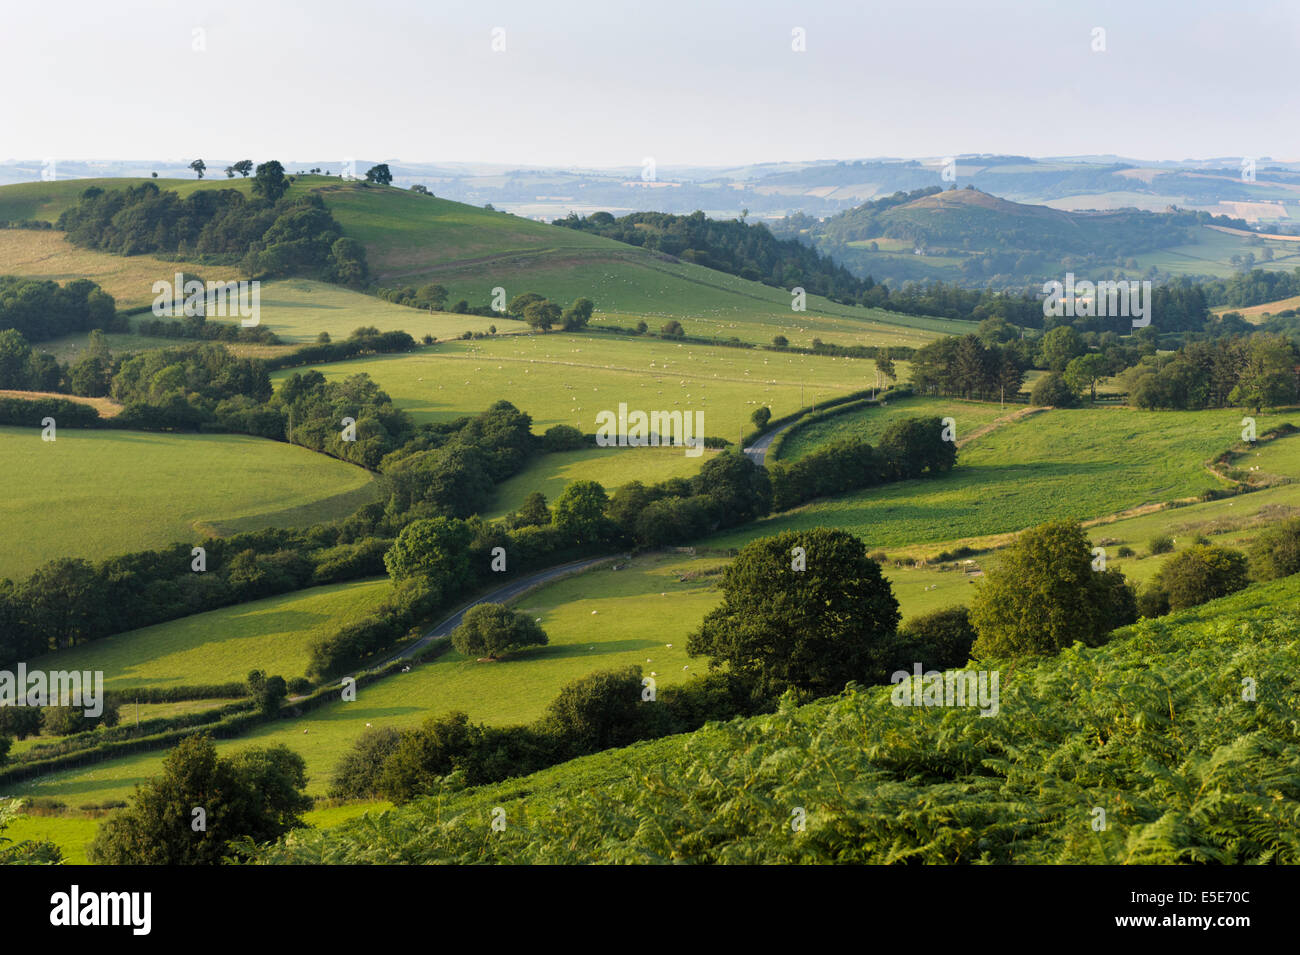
[(870, 423), (94, 494), (611, 467), (298, 310), (627, 628), (412, 240), (566, 379), (1212, 252), (273, 635), (1080, 463)]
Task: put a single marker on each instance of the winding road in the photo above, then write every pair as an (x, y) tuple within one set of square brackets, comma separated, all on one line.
[(500, 595), (758, 450)]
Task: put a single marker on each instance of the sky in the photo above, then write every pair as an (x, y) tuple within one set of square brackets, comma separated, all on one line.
[(605, 83)]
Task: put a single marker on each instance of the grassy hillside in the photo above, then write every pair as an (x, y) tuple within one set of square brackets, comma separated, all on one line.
[(870, 424), (566, 379), (94, 494), (1080, 463), (222, 646), (1151, 728), (412, 240)]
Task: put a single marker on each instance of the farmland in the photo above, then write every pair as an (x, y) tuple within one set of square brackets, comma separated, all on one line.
[(94, 494), (273, 635), (1081, 463), (566, 379)]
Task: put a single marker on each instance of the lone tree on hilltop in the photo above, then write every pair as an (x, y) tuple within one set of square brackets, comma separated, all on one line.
[(269, 181), (379, 174), (199, 166)]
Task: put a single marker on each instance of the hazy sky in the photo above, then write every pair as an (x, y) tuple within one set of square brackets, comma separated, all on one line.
[(604, 82)]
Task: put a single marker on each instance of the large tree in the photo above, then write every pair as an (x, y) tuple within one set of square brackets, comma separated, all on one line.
[(1202, 572), (492, 630), (435, 548), (804, 610), (256, 793), (269, 181), (379, 174), (1043, 594)]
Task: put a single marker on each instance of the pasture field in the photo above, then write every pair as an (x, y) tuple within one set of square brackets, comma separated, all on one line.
[(1212, 252), (94, 494), (73, 832), (599, 620), (132, 713), (563, 378), (626, 628), (413, 240), (1081, 463), (870, 423), (1257, 313), (221, 646), (298, 310), (46, 254), (611, 467)]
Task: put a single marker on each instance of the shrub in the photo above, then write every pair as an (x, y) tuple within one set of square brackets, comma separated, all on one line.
[(1277, 551), (940, 640), (1161, 544), (1052, 391), (1201, 573), (563, 437), (1125, 551), (494, 631)]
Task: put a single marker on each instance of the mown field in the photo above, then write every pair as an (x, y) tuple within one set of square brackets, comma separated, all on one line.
[(1081, 463), (45, 254), (563, 378), (94, 494), (273, 635)]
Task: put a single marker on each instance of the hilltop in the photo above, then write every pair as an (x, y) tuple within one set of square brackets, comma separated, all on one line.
[(411, 240)]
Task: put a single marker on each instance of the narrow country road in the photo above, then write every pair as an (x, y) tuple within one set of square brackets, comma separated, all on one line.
[(498, 596), (758, 450)]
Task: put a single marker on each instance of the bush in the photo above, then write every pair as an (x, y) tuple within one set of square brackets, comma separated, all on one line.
[(495, 631), (1125, 551), (1201, 573), (1277, 551), (1161, 544), (1153, 602), (940, 640), (1044, 595), (1052, 391), (598, 711), (563, 437)]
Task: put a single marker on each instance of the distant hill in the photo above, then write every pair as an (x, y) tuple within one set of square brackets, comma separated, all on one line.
[(972, 237)]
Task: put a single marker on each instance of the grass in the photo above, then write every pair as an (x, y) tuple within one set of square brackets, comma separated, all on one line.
[(273, 635), (298, 310), (1212, 252), (94, 494), (611, 467), (563, 378), (628, 627), (413, 240), (870, 423), (1257, 313), (1080, 463), (42, 254)]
